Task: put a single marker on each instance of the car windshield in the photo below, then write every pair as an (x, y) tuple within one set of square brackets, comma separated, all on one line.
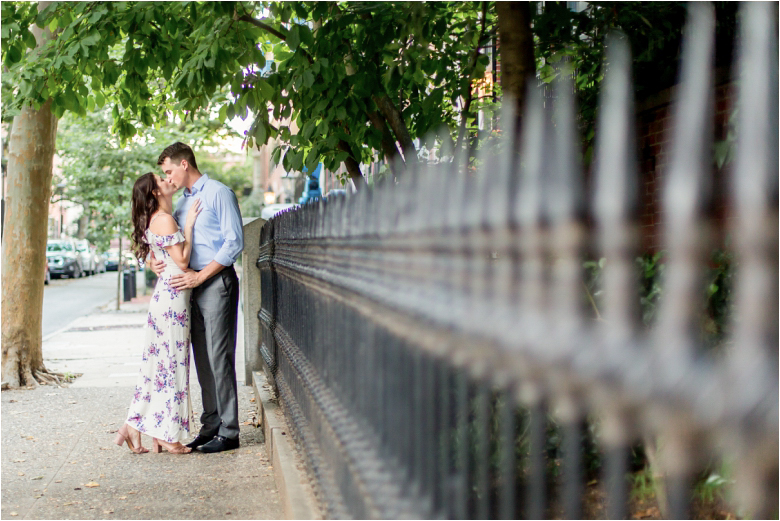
[(59, 246), (112, 255), (81, 246)]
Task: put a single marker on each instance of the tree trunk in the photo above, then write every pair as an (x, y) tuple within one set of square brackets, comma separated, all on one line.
[(516, 49), (30, 160), (119, 273), (84, 223)]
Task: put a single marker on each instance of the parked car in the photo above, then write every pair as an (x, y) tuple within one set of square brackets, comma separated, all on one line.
[(63, 258), (100, 261), (131, 263), (85, 250), (112, 260)]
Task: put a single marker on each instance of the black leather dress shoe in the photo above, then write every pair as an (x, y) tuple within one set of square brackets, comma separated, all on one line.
[(200, 440), (218, 444)]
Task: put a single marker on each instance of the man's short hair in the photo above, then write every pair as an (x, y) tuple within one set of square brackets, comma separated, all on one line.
[(177, 152)]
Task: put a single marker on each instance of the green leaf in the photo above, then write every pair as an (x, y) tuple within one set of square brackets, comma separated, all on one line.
[(29, 39), (245, 59), (260, 133), (97, 15), (53, 25), (65, 18), (293, 38), (265, 88), (312, 159), (91, 39), (308, 78), (308, 129), (14, 55), (300, 10), (305, 35)]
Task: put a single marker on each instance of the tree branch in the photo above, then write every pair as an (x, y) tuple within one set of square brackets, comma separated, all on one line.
[(268, 28), (261, 25), (388, 141), (396, 122), (353, 167)]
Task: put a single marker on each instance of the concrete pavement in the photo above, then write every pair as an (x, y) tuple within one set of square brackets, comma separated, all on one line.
[(58, 456)]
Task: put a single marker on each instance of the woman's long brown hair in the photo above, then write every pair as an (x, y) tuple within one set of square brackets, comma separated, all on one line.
[(144, 204)]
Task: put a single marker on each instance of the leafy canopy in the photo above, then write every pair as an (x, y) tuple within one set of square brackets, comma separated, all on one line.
[(98, 172), (335, 67)]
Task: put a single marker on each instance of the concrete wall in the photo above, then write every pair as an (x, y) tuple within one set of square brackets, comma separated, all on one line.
[(251, 296)]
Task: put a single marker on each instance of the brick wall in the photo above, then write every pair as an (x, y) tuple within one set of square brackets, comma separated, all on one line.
[(654, 120)]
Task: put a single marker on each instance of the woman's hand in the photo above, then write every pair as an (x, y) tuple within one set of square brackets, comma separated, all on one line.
[(192, 214), (155, 265)]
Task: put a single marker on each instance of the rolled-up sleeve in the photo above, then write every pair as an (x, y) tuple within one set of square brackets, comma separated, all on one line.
[(226, 208)]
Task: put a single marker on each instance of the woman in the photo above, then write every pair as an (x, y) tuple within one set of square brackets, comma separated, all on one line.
[(161, 405)]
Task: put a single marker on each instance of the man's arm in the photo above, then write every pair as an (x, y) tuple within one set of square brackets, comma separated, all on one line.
[(231, 227), (192, 279)]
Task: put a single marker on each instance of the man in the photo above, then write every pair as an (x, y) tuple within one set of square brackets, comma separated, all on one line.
[(218, 239)]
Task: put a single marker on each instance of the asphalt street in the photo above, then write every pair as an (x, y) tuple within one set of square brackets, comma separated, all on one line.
[(65, 300)]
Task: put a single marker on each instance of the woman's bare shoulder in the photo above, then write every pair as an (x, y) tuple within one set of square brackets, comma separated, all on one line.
[(164, 224)]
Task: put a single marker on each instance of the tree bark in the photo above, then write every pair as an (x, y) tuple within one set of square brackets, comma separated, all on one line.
[(516, 49), (388, 141), (396, 122), (30, 161), (353, 167)]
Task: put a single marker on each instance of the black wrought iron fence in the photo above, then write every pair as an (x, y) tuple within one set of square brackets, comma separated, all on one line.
[(430, 341)]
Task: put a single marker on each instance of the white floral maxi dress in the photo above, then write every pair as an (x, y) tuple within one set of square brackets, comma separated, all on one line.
[(161, 404)]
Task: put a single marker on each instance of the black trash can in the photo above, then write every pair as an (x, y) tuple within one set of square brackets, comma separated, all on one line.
[(133, 284), (127, 286)]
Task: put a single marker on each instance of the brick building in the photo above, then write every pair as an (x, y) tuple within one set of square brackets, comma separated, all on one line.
[(654, 137)]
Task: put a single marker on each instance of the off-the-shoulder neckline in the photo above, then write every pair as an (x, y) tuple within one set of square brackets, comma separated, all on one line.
[(166, 235)]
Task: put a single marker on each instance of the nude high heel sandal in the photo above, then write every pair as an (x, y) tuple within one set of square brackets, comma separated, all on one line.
[(123, 436), (173, 448)]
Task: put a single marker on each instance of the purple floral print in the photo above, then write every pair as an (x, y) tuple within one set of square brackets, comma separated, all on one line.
[(161, 402)]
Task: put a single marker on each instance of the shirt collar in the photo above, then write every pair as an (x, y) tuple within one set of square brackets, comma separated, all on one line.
[(197, 187)]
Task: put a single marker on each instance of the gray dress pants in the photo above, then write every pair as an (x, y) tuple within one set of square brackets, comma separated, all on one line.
[(214, 311)]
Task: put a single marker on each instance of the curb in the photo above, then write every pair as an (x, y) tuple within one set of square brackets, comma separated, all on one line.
[(98, 309), (290, 481)]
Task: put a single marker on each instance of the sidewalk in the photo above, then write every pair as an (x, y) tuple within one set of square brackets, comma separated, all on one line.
[(58, 456)]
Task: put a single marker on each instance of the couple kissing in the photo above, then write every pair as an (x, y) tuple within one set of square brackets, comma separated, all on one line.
[(195, 302)]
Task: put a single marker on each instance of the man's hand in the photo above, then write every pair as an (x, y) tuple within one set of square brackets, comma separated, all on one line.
[(187, 280), (157, 266)]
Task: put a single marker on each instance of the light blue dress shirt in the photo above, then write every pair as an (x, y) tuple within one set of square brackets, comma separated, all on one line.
[(218, 234)]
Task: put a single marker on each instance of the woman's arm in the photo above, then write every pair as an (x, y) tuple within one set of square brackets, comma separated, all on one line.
[(166, 225)]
